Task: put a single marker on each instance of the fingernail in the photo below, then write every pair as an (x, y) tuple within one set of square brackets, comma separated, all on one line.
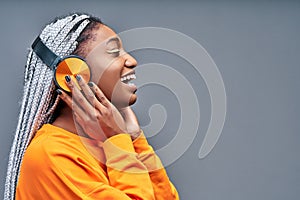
[(68, 78), (58, 91), (78, 77), (90, 84)]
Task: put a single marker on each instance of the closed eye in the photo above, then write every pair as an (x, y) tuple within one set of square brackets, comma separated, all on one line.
[(115, 52)]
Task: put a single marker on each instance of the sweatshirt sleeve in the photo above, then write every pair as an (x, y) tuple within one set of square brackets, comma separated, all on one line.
[(162, 186), (125, 171)]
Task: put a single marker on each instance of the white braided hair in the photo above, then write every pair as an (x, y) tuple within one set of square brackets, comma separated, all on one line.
[(39, 96)]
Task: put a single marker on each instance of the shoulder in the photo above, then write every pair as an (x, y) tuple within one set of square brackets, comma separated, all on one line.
[(60, 162), (57, 149), (52, 145)]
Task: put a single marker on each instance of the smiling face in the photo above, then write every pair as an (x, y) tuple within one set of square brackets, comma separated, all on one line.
[(111, 67)]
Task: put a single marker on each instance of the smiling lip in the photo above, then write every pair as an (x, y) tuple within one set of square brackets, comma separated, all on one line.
[(128, 73), (128, 77)]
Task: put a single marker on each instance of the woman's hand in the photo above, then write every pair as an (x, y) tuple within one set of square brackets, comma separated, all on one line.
[(132, 124), (93, 112)]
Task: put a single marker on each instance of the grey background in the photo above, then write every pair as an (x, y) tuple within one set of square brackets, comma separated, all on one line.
[(255, 45)]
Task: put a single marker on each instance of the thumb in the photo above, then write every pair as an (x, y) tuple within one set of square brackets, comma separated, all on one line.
[(128, 115), (131, 122)]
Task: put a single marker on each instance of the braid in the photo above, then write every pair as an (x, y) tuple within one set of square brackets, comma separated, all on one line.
[(39, 96)]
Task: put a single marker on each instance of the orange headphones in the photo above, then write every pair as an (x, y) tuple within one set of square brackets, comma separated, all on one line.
[(62, 66)]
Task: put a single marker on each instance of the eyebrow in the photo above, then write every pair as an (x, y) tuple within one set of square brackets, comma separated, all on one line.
[(114, 39)]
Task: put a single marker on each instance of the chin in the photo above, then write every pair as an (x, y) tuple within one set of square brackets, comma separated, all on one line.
[(123, 104), (133, 99)]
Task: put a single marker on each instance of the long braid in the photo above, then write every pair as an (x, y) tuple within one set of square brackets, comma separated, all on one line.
[(39, 97)]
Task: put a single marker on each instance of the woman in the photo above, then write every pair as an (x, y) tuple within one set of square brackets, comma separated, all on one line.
[(86, 144)]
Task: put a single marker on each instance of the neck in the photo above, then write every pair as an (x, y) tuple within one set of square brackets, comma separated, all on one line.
[(65, 120)]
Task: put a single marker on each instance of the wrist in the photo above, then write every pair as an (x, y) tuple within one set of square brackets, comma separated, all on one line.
[(135, 134)]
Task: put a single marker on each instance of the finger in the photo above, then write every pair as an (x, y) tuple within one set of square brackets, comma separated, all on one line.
[(78, 97), (124, 112), (128, 113), (89, 94), (99, 94), (68, 100)]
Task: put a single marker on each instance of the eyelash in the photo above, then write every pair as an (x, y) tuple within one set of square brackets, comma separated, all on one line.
[(114, 52)]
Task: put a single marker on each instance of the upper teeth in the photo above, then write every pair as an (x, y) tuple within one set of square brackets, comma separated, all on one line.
[(128, 78)]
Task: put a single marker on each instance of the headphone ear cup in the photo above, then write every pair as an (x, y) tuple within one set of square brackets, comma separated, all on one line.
[(72, 66)]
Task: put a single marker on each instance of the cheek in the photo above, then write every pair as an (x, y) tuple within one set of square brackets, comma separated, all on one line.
[(110, 78), (109, 81), (106, 74), (97, 71), (104, 67)]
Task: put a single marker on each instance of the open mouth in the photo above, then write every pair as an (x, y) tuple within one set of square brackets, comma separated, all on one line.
[(128, 77)]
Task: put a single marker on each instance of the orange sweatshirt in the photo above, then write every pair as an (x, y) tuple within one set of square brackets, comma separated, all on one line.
[(61, 165)]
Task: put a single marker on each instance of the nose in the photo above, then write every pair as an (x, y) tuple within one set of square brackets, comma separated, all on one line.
[(130, 61)]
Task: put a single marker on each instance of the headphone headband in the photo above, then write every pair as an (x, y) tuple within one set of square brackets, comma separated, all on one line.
[(47, 56)]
